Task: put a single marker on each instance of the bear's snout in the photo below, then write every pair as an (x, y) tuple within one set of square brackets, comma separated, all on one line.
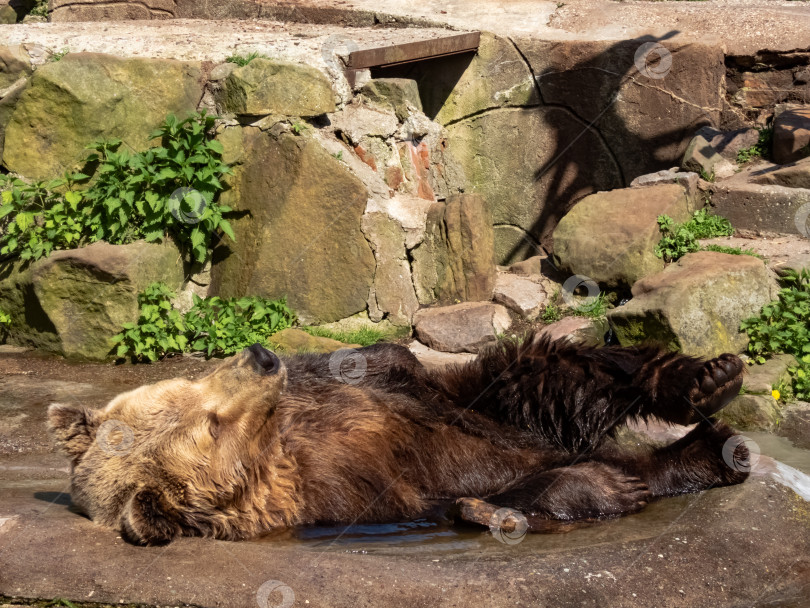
[(267, 362)]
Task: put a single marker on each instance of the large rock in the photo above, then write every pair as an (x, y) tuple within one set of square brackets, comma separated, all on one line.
[(752, 413), (10, 95), (696, 304), (496, 77), (465, 327), (763, 379), (729, 143), (436, 359), (7, 14), (700, 157), (795, 424), (266, 86), (791, 135), (454, 261), (780, 252), (302, 238), (610, 237), (687, 179), (86, 96), (758, 207), (74, 301), (392, 293), (531, 165), (397, 93), (360, 120)]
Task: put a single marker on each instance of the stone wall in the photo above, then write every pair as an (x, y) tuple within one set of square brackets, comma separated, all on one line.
[(351, 205)]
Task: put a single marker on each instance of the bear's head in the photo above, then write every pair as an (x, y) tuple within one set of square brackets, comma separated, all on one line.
[(169, 458)]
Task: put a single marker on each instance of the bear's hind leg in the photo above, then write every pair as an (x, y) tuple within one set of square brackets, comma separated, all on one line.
[(587, 490), (710, 455)]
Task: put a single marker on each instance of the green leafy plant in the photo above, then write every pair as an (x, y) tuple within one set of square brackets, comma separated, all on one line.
[(679, 239), (551, 313), (225, 326), (364, 336), (169, 190), (212, 325), (594, 309), (783, 326), (5, 319), (160, 328), (761, 149), (243, 60), (338, 155), (706, 176), (35, 219)]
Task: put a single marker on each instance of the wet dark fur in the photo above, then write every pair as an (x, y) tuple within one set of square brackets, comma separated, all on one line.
[(560, 403)]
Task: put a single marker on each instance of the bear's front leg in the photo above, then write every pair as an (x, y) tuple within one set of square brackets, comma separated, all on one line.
[(574, 396)]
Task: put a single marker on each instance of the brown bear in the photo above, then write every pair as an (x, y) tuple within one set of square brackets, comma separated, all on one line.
[(263, 443)]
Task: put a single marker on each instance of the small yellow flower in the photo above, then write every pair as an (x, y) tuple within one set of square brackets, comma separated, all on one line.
[(775, 394)]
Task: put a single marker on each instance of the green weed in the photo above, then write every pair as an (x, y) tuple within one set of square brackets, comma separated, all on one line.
[(761, 149), (679, 239), (783, 326), (243, 60), (214, 326), (168, 190)]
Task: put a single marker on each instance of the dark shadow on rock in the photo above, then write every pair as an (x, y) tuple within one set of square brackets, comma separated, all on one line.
[(589, 91)]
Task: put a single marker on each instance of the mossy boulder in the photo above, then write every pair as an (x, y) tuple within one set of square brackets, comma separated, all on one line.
[(696, 304), (496, 77), (86, 96), (300, 236), (74, 301), (265, 87), (610, 237)]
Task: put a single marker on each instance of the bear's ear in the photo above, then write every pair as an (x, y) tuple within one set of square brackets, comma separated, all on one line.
[(149, 519), (73, 427)]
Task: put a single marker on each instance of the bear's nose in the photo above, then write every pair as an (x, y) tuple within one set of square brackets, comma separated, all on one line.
[(267, 361)]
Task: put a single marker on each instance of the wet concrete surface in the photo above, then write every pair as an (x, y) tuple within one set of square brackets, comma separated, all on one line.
[(747, 545)]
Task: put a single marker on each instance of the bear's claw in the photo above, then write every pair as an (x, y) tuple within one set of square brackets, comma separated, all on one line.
[(717, 383)]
